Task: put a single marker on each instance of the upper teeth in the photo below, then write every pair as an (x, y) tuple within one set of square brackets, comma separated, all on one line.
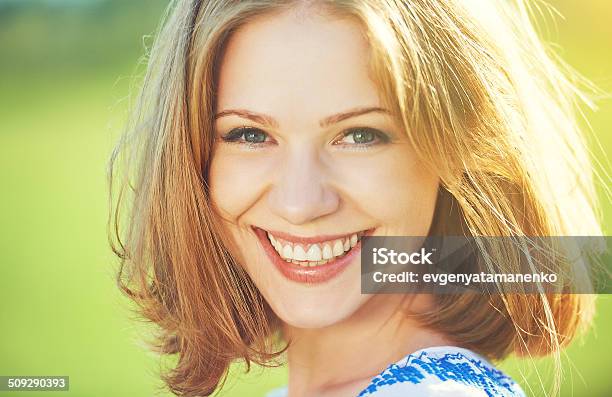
[(318, 252)]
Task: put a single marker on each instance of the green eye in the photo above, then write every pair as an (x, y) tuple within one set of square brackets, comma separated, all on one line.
[(362, 136), (254, 136), (246, 134)]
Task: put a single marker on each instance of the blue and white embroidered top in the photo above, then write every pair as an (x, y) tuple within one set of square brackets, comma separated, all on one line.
[(442, 371)]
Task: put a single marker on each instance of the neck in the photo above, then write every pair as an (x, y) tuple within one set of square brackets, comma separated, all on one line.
[(341, 359)]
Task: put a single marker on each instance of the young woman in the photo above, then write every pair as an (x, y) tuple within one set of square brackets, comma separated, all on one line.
[(270, 137)]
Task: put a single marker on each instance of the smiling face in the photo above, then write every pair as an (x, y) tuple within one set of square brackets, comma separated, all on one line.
[(307, 159)]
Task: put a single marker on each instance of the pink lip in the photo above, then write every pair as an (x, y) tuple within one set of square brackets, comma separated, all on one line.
[(307, 240), (308, 275)]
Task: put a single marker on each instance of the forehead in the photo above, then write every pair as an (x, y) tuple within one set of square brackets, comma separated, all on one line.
[(288, 61)]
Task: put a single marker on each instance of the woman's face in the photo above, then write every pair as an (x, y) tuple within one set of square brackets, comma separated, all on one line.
[(307, 159)]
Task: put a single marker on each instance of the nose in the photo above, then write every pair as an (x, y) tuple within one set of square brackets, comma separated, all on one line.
[(300, 192)]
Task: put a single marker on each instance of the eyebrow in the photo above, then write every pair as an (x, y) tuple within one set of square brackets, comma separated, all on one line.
[(325, 122)]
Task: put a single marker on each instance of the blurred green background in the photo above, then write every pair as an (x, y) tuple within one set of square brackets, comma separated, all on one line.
[(65, 72)]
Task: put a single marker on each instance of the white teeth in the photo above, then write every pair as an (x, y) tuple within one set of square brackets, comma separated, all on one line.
[(298, 253), (338, 248), (317, 254), (327, 252), (275, 243), (287, 252), (314, 253)]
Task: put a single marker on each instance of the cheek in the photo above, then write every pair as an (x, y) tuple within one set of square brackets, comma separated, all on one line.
[(237, 181), (395, 189)]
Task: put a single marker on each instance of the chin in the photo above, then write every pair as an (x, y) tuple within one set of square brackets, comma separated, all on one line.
[(313, 312), (312, 318)]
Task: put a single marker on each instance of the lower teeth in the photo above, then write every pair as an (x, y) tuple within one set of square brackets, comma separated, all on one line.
[(312, 263)]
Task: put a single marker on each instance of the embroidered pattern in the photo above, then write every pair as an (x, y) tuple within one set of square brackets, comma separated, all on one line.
[(451, 366)]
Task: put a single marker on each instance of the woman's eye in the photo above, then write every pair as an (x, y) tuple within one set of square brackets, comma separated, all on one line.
[(362, 136), (248, 135)]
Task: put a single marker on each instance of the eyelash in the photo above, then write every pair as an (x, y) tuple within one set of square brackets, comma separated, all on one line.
[(236, 135)]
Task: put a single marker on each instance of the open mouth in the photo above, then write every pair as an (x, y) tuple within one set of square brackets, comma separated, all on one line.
[(310, 259), (313, 254)]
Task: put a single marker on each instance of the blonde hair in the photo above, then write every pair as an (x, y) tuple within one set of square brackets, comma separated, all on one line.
[(483, 99)]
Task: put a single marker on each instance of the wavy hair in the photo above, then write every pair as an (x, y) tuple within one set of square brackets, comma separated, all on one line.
[(491, 109)]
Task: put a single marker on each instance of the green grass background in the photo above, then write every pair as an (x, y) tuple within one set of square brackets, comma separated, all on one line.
[(65, 73)]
